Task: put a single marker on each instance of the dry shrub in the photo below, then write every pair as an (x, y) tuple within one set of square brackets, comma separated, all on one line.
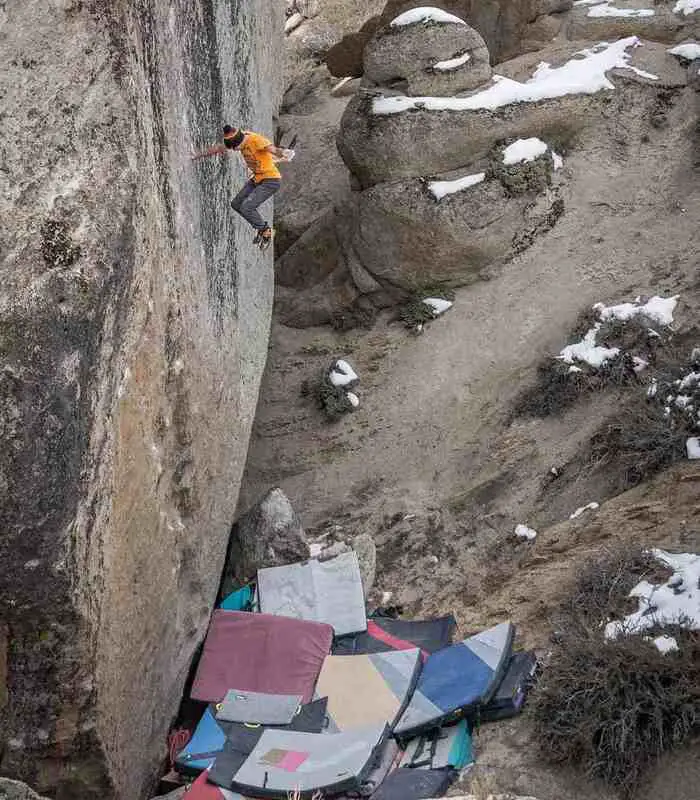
[(556, 388), (332, 400), (639, 442), (649, 433), (612, 707)]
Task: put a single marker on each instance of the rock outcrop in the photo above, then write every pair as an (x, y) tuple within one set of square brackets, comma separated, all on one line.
[(15, 790), (268, 535), (431, 59), (436, 200), (506, 26), (135, 318)]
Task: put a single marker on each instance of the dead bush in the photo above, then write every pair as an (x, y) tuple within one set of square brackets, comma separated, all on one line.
[(603, 584), (332, 400), (649, 432), (559, 385), (414, 312), (612, 707), (638, 442)]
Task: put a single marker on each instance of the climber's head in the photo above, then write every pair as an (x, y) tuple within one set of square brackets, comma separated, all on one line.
[(233, 137)]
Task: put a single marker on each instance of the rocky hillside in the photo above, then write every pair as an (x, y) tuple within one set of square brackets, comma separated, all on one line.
[(525, 190), (134, 326)]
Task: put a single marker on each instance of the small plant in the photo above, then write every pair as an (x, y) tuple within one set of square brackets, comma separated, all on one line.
[(335, 401), (414, 313)]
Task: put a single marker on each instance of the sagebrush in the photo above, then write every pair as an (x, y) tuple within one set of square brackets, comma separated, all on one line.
[(612, 707)]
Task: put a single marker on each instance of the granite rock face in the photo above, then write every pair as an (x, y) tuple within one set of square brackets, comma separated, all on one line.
[(134, 326)]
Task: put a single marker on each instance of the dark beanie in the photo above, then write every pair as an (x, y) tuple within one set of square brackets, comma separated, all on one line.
[(233, 136)]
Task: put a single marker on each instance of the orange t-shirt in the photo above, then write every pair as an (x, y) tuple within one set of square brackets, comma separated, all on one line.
[(260, 162)]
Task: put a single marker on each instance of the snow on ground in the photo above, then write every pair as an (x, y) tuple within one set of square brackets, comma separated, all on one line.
[(557, 160), (658, 309), (589, 2), (587, 350), (523, 532), (524, 150), (354, 399), (676, 601), (665, 644), (689, 50), (692, 447), (315, 549), (425, 14), (690, 381), (452, 63), (441, 188), (686, 7), (342, 373), (606, 10), (438, 305), (588, 507), (586, 73)]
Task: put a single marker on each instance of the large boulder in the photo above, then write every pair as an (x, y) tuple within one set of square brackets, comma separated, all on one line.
[(427, 58), (317, 177), (15, 790), (591, 23), (502, 24), (404, 237), (380, 144), (268, 535), (398, 236), (133, 334)]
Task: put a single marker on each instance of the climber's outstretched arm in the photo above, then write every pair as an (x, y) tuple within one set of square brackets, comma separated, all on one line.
[(216, 150)]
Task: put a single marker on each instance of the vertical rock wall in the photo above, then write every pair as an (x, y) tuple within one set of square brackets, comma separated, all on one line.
[(134, 316)]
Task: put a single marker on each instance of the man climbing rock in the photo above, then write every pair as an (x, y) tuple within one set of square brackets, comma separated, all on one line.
[(260, 156)]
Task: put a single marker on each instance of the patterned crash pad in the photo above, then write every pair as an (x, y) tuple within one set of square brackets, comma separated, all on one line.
[(369, 689), (458, 679), (283, 762), (321, 591), (385, 633)]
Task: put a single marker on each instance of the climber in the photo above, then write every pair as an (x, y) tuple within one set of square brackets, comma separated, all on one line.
[(260, 156)]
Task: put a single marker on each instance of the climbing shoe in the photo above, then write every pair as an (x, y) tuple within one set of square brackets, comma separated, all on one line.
[(265, 238)]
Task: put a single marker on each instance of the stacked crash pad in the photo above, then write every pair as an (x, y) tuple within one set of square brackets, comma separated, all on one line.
[(260, 653), (368, 689), (308, 695), (328, 591)]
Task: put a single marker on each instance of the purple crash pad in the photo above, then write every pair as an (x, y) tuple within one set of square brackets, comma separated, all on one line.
[(260, 653)]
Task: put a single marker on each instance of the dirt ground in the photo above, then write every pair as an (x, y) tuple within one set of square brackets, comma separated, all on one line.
[(432, 464)]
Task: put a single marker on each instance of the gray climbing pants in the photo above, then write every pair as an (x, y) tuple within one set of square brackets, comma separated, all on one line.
[(251, 196)]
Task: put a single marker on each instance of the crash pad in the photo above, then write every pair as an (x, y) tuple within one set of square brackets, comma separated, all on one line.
[(260, 653), (386, 633), (458, 679), (368, 689), (285, 761), (321, 591)]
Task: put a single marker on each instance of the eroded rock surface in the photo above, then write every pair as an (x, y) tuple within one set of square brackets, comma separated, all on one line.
[(135, 316), (436, 58)]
